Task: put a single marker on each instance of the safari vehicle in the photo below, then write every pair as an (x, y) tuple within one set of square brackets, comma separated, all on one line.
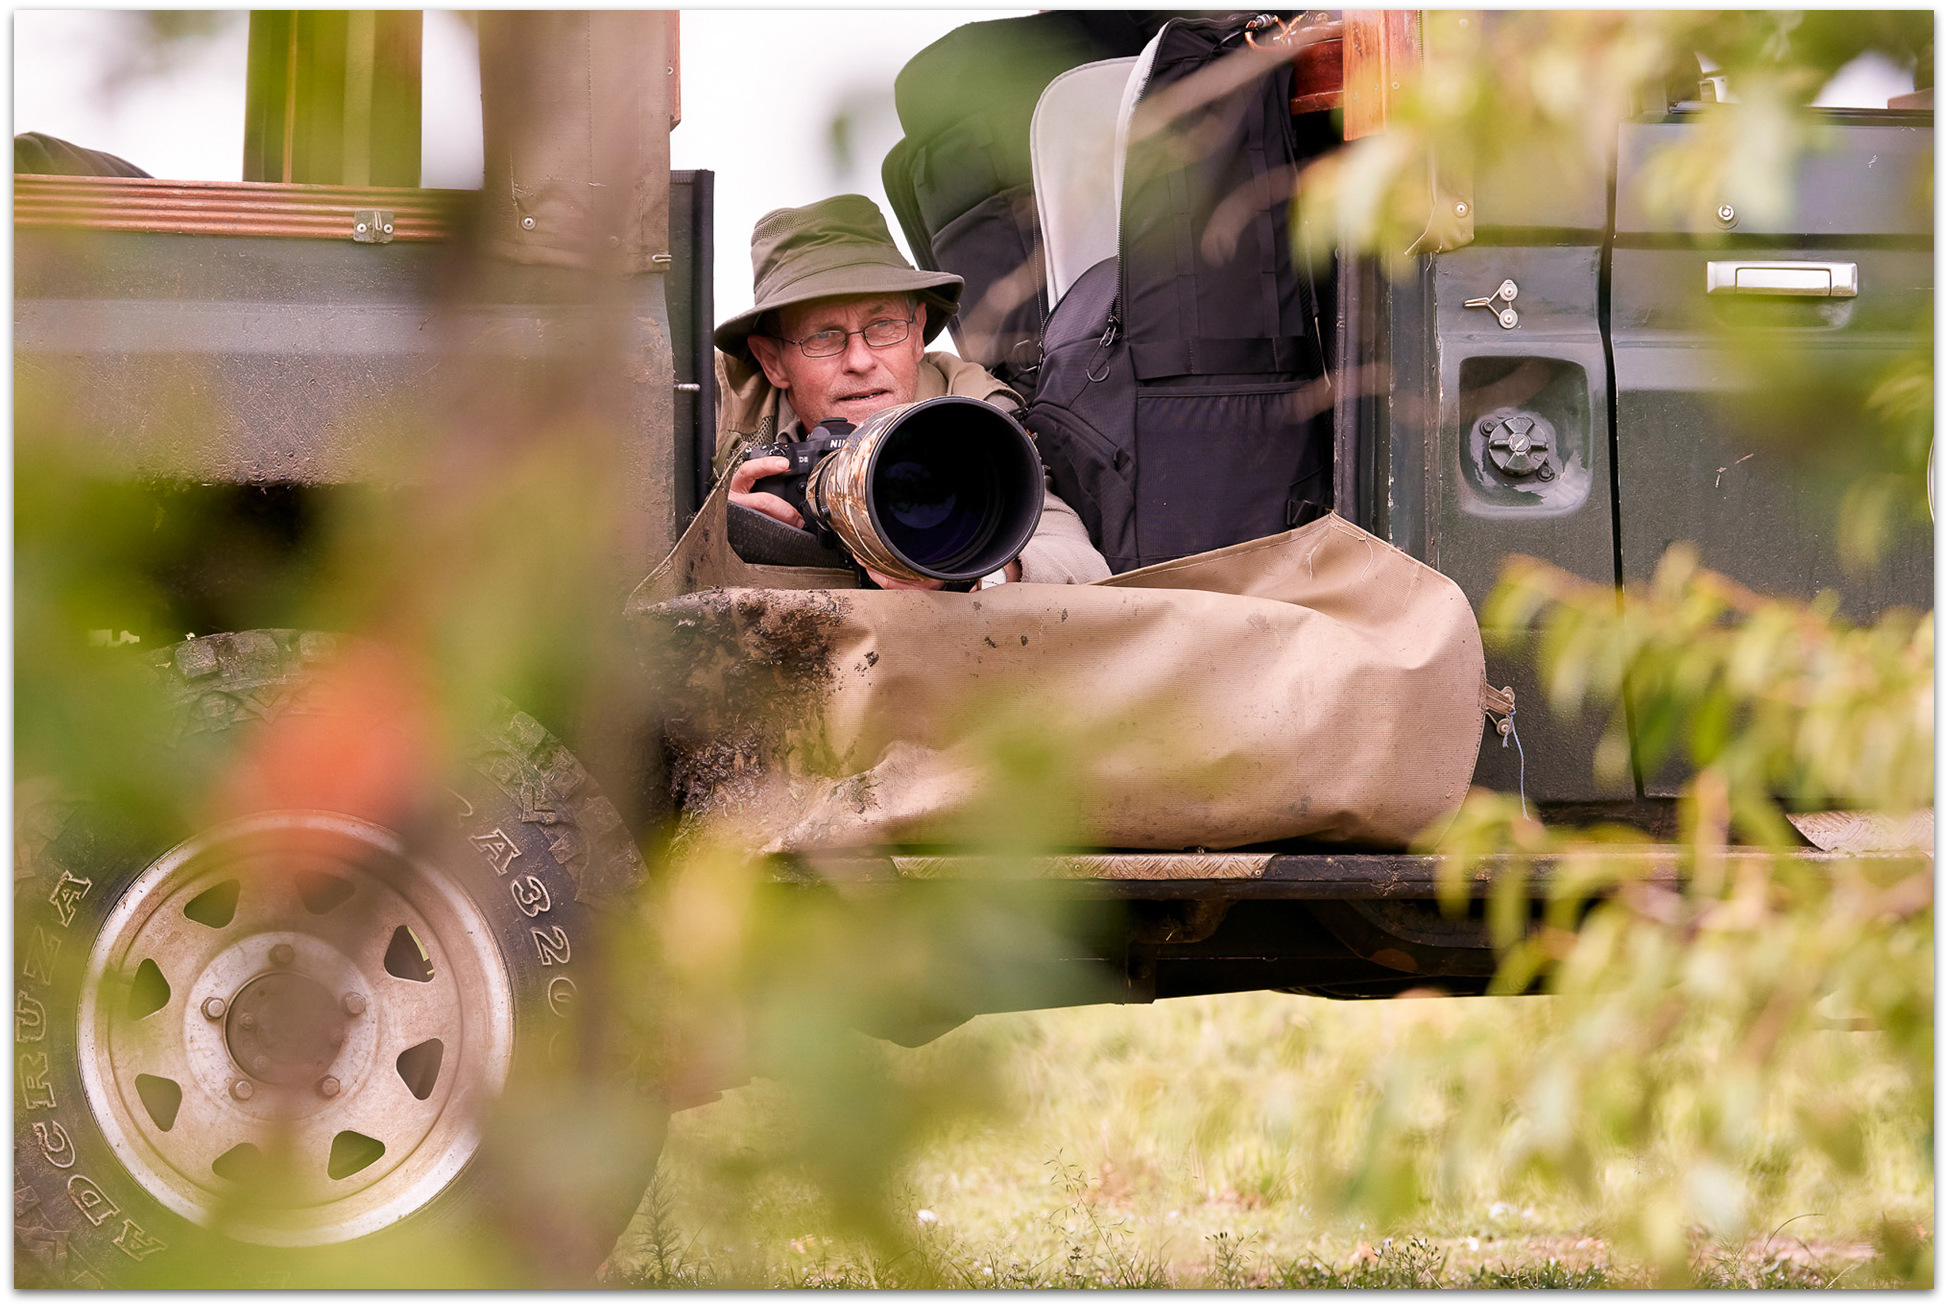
[(224, 353)]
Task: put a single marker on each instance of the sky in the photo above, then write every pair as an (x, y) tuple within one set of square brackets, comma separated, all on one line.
[(760, 89)]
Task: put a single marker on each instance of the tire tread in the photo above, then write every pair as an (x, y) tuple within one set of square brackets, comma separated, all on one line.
[(224, 680)]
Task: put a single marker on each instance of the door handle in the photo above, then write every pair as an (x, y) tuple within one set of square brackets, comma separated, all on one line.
[(1782, 277)]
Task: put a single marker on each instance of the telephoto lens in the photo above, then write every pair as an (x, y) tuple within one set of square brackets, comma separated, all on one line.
[(947, 489)]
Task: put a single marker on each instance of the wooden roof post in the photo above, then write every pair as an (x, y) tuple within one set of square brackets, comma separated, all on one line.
[(1382, 46)]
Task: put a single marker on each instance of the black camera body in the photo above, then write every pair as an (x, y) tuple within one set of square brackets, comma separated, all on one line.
[(947, 489), (805, 455)]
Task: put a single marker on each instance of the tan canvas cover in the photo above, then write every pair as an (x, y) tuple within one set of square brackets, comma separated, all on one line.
[(576, 110), (1318, 683)]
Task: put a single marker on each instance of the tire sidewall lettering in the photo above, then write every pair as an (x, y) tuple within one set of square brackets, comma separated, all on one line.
[(72, 1192)]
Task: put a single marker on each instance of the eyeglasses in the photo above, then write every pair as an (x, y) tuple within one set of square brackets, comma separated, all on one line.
[(879, 333)]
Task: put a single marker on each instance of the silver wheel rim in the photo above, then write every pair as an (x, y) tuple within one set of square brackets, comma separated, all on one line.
[(290, 1009)]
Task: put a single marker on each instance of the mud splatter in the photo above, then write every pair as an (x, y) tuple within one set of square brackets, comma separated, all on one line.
[(859, 793), (741, 674)]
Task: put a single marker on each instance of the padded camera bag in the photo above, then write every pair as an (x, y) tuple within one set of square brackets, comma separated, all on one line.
[(1182, 404)]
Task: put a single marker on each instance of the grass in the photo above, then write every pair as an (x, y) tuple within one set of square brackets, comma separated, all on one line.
[(1183, 1145)]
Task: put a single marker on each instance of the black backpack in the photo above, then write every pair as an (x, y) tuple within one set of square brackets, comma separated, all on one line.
[(960, 182), (1182, 403)]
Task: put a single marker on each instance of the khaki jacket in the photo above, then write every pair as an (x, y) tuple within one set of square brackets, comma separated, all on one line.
[(751, 411)]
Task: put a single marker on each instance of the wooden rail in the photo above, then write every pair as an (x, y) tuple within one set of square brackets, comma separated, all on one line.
[(148, 204), (1326, 876), (1382, 50)]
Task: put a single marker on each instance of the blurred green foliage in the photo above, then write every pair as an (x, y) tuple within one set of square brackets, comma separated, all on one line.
[(1535, 97), (1718, 1044), (1739, 990), (1750, 988), (1769, 697)]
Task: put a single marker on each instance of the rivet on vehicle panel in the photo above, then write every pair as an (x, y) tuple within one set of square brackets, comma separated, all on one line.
[(354, 1004), (328, 1086), (248, 1021), (242, 1089), (1727, 214), (360, 229), (283, 955), (1461, 209), (388, 229), (214, 1008), (1545, 473), (527, 224), (259, 1065)]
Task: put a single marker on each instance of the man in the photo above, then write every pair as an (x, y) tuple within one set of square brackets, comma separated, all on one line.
[(840, 329)]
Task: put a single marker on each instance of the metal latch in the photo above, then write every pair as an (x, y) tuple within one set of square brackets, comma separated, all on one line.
[(372, 226), (1505, 315), (1782, 277)]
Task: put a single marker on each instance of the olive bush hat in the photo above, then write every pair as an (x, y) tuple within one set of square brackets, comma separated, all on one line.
[(838, 246)]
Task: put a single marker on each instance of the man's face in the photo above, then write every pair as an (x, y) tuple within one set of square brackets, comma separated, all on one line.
[(858, 381)]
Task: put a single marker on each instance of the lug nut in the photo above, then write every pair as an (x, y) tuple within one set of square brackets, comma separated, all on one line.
[(214, 1008), (329, 1086), (242, 1089), (283, 955), (354, 1005)]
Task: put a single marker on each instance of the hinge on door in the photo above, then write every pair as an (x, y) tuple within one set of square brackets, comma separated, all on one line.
[(1451, 213), (372, 226)]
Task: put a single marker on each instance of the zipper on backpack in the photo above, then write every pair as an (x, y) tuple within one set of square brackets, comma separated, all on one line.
[(1103, 346)]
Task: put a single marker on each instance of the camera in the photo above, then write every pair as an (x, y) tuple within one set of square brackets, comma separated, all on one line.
[(946, 489)]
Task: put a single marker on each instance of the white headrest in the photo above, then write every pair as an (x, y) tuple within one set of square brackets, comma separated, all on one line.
[(1072, 150)]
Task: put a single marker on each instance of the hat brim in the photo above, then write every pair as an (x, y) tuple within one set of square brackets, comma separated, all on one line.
[(939, 291)]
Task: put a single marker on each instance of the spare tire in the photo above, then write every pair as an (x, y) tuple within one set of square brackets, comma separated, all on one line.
[(260, 1051)]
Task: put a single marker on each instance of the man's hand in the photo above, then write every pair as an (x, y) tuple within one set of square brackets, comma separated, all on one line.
[(889, 583), (746, 475), (1012, 572)]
